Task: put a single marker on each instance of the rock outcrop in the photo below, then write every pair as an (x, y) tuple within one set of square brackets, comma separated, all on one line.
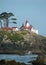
[(21, 42)]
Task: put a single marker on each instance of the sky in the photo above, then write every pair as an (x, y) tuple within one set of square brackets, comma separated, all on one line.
[(32, 10)]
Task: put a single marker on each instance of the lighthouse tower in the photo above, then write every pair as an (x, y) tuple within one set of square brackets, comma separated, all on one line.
[(27, 23)]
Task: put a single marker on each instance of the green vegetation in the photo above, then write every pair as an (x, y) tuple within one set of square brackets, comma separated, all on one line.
[(24, 32), (10, 35)]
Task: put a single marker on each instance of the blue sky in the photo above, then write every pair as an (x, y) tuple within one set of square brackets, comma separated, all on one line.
[(32, 10)]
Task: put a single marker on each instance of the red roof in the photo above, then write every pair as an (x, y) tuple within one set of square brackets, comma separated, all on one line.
[(29, 27), (6, 28), (14, 27)]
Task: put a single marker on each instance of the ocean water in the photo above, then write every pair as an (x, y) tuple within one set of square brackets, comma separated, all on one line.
[(18, 58)]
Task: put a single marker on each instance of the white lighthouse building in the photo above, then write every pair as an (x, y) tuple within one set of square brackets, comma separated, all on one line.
[(27, 26), (34, 30)]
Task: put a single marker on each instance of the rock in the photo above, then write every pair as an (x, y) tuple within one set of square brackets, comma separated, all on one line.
[(13, 62), (41, 60), (23, 41)]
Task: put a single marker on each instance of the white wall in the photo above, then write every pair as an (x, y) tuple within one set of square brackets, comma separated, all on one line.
[(15, 29), (34, 30), (27, 24)]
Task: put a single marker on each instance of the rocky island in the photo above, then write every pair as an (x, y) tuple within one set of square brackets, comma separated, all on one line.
[(21, 42), (25, 40)]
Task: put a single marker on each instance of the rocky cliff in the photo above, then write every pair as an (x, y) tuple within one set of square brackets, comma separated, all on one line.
[(21, 42)]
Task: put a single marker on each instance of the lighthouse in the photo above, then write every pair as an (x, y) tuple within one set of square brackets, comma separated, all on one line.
[(27, 23), (29, 27)]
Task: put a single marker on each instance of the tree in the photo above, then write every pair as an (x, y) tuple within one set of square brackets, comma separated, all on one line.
[(0, 20), (14, 20), (5, 16)]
